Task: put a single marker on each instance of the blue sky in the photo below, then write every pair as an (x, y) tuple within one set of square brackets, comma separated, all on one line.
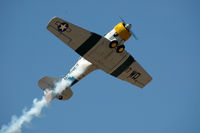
[(168, 48)]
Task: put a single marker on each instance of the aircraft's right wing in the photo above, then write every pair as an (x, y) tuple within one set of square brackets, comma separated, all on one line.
[(73, 35), (131, 71)]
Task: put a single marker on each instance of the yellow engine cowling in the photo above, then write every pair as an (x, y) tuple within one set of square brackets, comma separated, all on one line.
[(122, 31)]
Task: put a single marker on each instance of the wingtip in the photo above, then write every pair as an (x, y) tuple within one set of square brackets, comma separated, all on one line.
[(52, 20)]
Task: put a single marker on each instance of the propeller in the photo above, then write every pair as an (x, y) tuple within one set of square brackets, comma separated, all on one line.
[(128, 27)]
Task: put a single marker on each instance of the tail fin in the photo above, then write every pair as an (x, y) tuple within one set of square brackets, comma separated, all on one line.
[(49, 83)]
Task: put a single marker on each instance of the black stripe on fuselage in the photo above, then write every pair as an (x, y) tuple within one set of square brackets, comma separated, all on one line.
[(88, 44), (123, 66), (74, 82)]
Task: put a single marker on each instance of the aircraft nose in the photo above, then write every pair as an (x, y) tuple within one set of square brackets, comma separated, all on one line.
[(128, 26)]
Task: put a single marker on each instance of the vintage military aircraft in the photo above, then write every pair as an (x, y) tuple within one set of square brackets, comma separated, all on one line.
[(97, 52)]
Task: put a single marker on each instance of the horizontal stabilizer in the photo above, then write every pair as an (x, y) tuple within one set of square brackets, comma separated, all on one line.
[(48, 84)]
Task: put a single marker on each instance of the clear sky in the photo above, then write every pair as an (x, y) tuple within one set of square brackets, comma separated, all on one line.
[(168, 48)]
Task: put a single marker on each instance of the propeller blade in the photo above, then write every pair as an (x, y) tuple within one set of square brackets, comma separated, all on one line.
[(134, 35), (122, 20)]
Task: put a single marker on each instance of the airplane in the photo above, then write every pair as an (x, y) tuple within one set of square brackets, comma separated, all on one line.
[(96, 52)]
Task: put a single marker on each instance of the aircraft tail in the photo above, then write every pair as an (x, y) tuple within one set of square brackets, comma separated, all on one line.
[(48, 84)]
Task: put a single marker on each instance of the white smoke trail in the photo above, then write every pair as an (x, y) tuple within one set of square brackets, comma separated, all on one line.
[(16, 123), (60, 86)]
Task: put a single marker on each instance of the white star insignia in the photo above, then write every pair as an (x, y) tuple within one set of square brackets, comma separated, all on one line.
[(63, 27)]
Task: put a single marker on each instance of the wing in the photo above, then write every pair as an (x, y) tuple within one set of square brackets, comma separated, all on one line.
[(72, 35), (132, 72), (95, 49)]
